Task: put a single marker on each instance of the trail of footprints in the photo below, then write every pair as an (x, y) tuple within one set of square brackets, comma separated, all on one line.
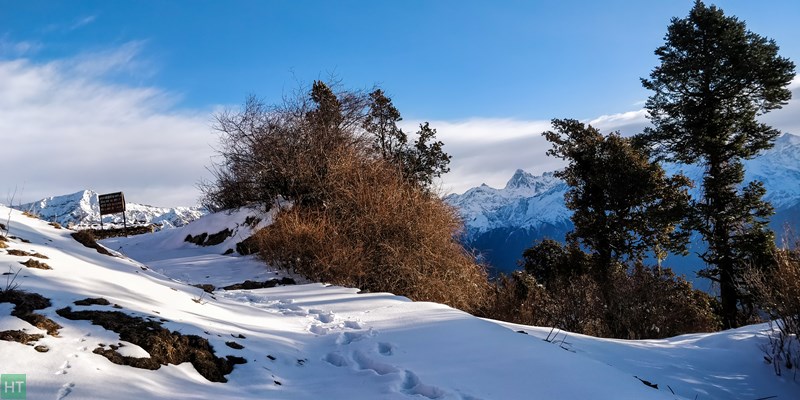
[(67, 388), (370, 355), (361, 358)]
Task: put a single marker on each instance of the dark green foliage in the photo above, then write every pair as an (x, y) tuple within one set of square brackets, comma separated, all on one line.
[(547, 261), (623, 205), (714, 80), (421, 162)]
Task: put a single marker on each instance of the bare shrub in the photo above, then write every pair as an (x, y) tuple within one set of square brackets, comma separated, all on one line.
[(639, 304), (377, 232), (777, 292), (646, 303)]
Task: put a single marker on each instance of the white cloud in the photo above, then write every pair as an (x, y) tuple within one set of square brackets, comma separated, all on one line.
[(81, 22), (63, 128), (490, 150)]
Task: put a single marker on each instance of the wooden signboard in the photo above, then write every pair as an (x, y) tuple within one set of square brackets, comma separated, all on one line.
[(112, 203)]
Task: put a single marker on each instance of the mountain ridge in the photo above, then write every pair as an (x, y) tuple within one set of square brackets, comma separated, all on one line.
[(501, 223), (82, 210)]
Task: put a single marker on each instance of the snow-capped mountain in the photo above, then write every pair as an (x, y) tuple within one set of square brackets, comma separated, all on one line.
[(82, 209), (501, 223)]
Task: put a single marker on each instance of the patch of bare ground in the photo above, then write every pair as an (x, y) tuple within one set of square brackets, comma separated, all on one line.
[(87, 239), (163, 345), (20, 336), (31, 263), (24, 306), (250, 285), (22, 253)]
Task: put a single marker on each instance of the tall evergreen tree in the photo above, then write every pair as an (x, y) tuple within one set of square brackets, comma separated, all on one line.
[(421, 162), (624, 206), (714, 80)]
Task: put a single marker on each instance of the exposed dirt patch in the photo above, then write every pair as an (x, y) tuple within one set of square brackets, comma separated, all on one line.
[(19, 336), (207, 287), (249, 285), (24, 305), (30, 215), (55, 225), (41, 348), (234, 345), (87, 239), (163, 345), (204, 239), (3, 239), (31, 263), (247, 246), (100, 234), (22, 253), (93, 301)]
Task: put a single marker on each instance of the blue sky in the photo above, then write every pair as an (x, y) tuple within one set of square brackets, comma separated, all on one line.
[(485, 72)]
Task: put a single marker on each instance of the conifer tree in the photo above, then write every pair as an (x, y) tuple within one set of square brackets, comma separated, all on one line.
[(421, 162), (714, 80), (624, 206)]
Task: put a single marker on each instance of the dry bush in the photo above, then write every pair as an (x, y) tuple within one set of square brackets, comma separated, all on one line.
[(647, 304), (640, 304), (777, 292), (574, 305), (377, 232)]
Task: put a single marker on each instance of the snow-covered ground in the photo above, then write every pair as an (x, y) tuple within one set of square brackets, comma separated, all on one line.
[(315, 341)]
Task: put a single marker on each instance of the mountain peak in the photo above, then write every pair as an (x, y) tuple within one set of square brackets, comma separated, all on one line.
[(520, 179), (787, 139)]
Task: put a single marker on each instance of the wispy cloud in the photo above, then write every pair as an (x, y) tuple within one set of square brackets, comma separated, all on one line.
[(81, 22), (65, 27), (14, 49), (65, 128)]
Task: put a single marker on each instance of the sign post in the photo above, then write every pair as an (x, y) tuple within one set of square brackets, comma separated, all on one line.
[(113, 203)]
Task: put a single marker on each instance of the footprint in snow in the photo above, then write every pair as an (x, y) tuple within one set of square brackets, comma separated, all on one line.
[(318, 329), (346, 338), (366, 363), (352, 324), (336, 359), (325, 317), (413, 386), (385, 349), (63, 369), (65, 390)]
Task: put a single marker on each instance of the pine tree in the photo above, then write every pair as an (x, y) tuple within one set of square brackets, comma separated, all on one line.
[(714, 80), (624, 206), (421, 162)]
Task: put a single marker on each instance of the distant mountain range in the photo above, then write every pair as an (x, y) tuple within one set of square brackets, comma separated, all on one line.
[(501, 223), (82, 210)]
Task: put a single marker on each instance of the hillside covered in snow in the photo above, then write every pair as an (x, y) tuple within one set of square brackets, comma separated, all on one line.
[(308, 340), (501, 223), (82, 209)]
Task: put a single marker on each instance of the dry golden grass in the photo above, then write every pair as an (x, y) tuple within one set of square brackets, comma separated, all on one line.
[(379, 233)]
